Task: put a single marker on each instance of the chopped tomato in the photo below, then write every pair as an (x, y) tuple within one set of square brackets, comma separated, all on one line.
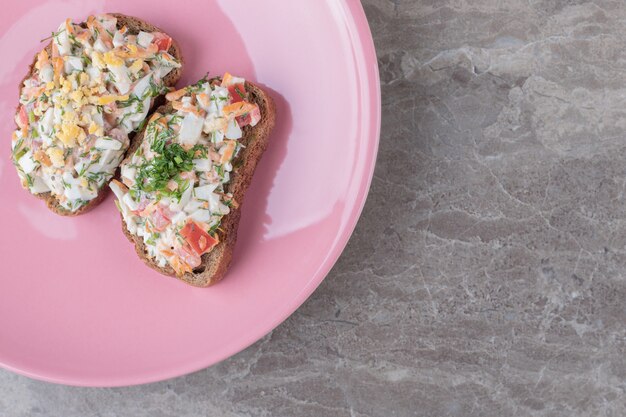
[(162, 41), (199, 240), (237, 92), (244, 120), (250, 118)]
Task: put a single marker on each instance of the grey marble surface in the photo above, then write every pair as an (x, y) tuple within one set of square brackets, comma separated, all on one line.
[(496, 284)]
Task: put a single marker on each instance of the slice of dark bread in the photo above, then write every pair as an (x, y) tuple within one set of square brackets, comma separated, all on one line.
[(255, 139), (134, 25)]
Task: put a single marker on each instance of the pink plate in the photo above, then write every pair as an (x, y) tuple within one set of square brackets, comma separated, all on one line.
[(78, 307)]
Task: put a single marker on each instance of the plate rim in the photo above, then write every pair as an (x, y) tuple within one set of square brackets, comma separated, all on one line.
[(362, 44)]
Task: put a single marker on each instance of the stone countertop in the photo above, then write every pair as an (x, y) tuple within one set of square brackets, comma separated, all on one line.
[(495, 286)]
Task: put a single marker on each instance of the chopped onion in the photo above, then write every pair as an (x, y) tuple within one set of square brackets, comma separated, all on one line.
[(46, 73), (201, 215), (129, 172), (99, 46), (130, 203), (178, 217), (63, 41), (27, 163), (193, 205), (184, 199), (190, 129), (202, 165), (117, 190), (144, 39), (204, 192), (39, 186), (233, 131), (93, 72), (122, 80), (75, 63), (142, 85), (118, 39), (108, 143)]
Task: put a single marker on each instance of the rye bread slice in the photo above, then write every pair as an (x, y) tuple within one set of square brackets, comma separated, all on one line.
[(134, 25), (215, 263)]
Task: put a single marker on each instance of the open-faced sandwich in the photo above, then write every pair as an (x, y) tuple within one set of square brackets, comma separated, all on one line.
[(183, 182), (86, 94)]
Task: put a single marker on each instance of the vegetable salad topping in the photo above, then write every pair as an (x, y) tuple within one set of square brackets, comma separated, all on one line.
[(80, 104), (173, 191)]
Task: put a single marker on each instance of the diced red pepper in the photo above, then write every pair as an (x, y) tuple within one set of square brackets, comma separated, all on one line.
[(251, 117), (199, 240), (244, 120), (237, 92), (162, 41)]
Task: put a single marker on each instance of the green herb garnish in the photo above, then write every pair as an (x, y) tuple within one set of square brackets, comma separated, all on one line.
[(132, 99), (194, 88), (152, 239), (18, 151), (29, 180), (54, 35), (240, 93), (75, 205), (156, 173), (157, 89)]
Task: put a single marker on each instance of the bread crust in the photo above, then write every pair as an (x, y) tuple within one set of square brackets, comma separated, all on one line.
[(134, 25), (215, 263)]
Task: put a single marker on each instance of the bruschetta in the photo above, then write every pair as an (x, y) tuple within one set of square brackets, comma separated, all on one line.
[(86, 95), (183, 185)]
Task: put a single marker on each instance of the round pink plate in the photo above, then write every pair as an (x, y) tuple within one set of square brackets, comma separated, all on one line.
[(76, 304)]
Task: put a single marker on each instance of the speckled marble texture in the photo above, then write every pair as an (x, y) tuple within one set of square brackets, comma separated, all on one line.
[(496, 283)]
